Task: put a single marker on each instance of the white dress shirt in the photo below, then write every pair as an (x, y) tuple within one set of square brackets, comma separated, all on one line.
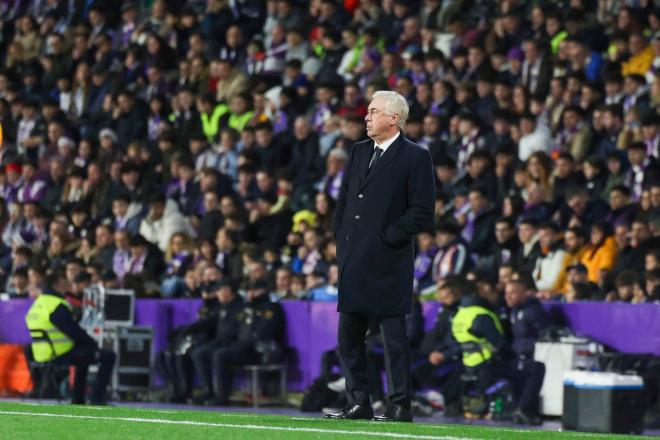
[(385, 145)]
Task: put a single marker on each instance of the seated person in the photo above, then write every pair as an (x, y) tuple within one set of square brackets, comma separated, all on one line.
[(70, 344), (440, 363), (224, 330), (529, 322), (174, 364), (260, 335)]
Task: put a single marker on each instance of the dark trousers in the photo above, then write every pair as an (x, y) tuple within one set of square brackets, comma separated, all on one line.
[(526, 377), (176, 371), (202, 361), (224, 359), (353, 354), (447, 377), (81, 357)]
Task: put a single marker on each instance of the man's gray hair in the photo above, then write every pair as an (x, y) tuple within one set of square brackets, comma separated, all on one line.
[(338, 153), (395, 104)]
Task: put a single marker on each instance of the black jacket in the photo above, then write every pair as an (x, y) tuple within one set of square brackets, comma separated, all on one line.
[(63, 319), (440, 337), (222, 324), (529, 322), (261, 321), (378, 213)]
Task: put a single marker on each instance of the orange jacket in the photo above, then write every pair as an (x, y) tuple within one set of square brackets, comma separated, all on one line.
[(640, 63), (600, 258), (569, 260)]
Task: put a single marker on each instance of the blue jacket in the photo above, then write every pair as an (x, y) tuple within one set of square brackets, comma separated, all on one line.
[(529, 322)]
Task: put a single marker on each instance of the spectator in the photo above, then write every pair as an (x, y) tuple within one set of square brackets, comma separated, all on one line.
[(628, 288), (125, 214), (452, 257), (478, 229), (534, 138), (581, 210), (162, 221), (549, 265)]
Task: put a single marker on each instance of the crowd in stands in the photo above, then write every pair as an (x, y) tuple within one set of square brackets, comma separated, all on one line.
[(164, 145)]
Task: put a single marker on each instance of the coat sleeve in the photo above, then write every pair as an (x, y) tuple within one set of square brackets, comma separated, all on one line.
[(421, 202), (63, 320), (341, 202)]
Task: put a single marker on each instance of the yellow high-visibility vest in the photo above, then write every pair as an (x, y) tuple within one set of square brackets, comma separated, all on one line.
[(460, 328), (38, 318)]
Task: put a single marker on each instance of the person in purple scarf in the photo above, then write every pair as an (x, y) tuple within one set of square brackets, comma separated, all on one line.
[(178, 259), (426, 250)]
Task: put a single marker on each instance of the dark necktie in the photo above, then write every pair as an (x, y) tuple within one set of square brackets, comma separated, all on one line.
[(375, 156)]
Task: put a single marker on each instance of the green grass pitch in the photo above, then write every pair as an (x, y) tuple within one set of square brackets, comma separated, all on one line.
[(31, 421)]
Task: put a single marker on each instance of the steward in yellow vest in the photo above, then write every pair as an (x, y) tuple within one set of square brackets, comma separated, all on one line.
[(211, 115), (478, 330), (480, 335), (65, 342)]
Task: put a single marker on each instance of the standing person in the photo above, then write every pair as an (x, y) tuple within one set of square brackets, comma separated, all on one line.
[(387, 196)]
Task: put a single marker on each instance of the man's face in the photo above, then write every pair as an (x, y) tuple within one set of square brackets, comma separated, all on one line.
[(526, 126), (257, 271), (617, 200), (301, 128), (210, 201), (156, 210), (514, 294), (505, 274), (119, 208), (546, 237), (571, 119), (225, 294), (19, 283), (639, 233), (125, 103), (130, 179), (263, 137), (210, 274), (503, 232), (564, 167), (379, 124), (102, 237), (576, 276), (572, 242), (477, 201), (443, 238), (578, 203), (446, 296), (283, 280), (655, 196), (72, 271), (61, 286)]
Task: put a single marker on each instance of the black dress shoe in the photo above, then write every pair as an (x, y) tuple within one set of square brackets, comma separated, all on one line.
[(396, 413), (353, 412), (521, 418)]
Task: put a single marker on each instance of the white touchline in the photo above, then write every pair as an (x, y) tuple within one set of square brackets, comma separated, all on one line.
[(230, 425)]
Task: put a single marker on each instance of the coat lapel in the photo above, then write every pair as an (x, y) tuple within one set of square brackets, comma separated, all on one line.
[(363, 163), (382, 163)]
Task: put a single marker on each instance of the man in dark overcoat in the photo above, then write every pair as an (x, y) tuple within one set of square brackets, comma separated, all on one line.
[(387, 196)]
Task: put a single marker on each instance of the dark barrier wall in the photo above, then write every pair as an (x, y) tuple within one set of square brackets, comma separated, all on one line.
[(312, 327)]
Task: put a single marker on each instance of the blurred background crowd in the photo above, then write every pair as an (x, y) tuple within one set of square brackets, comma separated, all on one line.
[(164, 145)]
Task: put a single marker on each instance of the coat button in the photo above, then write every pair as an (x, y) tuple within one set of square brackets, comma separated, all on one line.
[(360, 196), (347, 237), (357, 217)]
